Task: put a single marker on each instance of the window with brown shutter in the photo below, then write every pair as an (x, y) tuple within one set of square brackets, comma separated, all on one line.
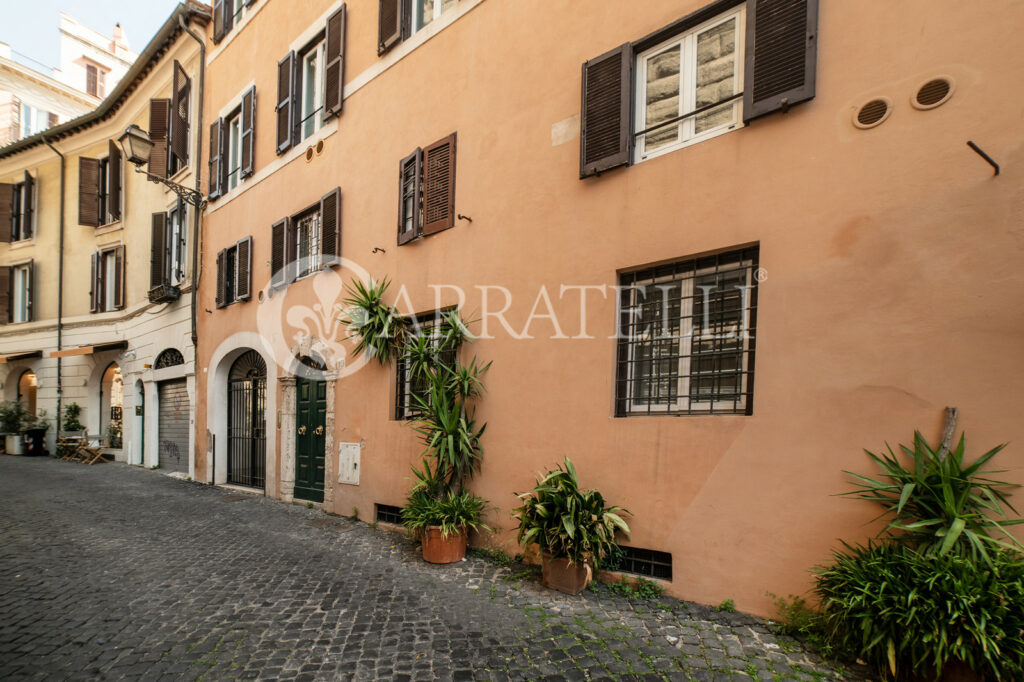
[(159, 124), (216, 135), (180, 96), (113, 182), (96, 280), (781, 55), (409, 215), (88, 192), (604, 122), (389, 25), (158, 270), (243, 270), (439, 185), (218, 19), (248, 131), (330, 227), (116, 279), (30, 294), (6, 211), (92, 80), (5, 294), (28, 197), (278, 234), (51, 119), (334, 56), (221, 279), (285, 98)]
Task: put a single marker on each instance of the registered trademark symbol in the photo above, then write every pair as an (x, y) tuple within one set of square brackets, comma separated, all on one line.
[(761, 275)]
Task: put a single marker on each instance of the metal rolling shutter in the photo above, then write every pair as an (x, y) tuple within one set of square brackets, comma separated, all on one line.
[(173, 425)]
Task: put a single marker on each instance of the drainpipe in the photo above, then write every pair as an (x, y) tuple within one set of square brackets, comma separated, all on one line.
[(60, 286)]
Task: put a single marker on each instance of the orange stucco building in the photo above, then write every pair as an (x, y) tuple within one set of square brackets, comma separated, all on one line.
[(833, 265)]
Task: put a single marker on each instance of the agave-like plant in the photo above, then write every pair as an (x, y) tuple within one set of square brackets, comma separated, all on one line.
[(567, 522), (938, 503), (380, 329)]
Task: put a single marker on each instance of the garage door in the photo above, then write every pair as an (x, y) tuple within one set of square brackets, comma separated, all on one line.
[(174, 425)]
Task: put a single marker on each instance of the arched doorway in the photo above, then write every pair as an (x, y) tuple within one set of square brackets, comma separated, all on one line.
[(112, 405), (311, 427), (247, 434), (28, 386)]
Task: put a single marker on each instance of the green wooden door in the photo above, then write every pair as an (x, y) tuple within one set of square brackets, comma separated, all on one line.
[(311, 423)]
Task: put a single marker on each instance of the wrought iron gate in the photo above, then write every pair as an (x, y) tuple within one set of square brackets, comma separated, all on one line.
[(247, 434)]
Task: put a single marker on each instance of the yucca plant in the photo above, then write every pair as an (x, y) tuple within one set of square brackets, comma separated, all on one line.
[(452, 512), (938, 503), (567, 522), (380, 329)]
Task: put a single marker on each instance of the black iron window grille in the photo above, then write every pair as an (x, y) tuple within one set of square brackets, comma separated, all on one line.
[(687, 336), (646, 562), (387, 513), (171, 357), (307, 243), (407, 385)]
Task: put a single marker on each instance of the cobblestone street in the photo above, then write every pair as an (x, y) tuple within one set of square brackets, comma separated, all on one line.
[(115, 572)]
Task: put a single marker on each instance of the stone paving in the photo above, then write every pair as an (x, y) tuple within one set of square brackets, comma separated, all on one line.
[(114, 572)]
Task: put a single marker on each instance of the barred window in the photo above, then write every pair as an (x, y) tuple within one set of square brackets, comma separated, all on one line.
[(307, 242), (407, 385), (686, 337)]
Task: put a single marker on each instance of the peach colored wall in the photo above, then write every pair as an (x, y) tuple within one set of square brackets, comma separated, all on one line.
[(892, 257)]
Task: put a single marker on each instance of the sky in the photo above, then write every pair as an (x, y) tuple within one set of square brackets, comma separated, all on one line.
[(30, 27)]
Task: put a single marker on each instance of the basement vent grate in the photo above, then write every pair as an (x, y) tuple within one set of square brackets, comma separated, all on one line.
[(389, 514), (933, 93), (872, 113), (646, 562)]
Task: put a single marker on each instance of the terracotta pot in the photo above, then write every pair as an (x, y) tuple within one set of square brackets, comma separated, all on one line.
[(443, 550), (558, 574)]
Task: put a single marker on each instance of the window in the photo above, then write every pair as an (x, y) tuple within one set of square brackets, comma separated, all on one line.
[(306, 234), (407, 387), (99, 188), (21, 293), (425, 11), (18, 199), (226, 14), (399, 19), (178, 125), (232, 140), (176, 231), (234, 158), (426, 190), (690, 73), (312, 85), (387, 513), (167, 255), (646, 562), (92, 83), (234, 273), (306, 242), (34, 120), (107, 292), (686, 337)]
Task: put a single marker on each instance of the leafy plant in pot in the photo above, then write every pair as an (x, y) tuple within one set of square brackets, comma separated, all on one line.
[(574, 528), (13, 417), (35, 429), (442, 522)]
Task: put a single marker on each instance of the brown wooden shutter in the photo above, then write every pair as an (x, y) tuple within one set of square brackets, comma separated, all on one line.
[(248, 131), (330, 227), (334, 57), (6, 274), (285, 76), (51, 119), (114, 184), (28, 196), (92, 80), (95, 278), (218, 20), (6, 211), (243, 269), (278, 233), (389, 25), (781, 55), (158, 271), (216, 133), (605, 135), (30, 298), (159, 124), (439, 185), (410, 172), (221, 279), (118, 278), (88, 192), (291, 253), (179, 113)]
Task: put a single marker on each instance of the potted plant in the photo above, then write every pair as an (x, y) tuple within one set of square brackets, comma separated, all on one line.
[(442, 522), (574, 528), (13, 416), (35, 429), (72, 412)]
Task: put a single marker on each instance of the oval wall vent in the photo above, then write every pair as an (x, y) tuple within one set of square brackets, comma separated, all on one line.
[(933, 93), (872, 113)]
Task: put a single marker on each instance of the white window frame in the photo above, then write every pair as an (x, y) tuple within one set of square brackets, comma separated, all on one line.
[(176, 235), (309, 118), (237, 11), (21, 292), (234, 131), (687, 43), (310, 264), (109, 285), (25, 203), (682, 403)]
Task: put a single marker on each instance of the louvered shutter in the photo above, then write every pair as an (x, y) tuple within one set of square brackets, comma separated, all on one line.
[(439, 185), (248, 131), (605, 136), (334, 57), (5, 294), (781, 55), (118, 278), (218, 20), (225, 158), (216, 133), (88, 192), (158, 274), (278, 233), (389, 25), (221, 279), (6, 211), (114, 181), (243, 269), (291, 253), (409, 175), (330, 227), (28, 196), (179, 113), (30, 295), (285, 76), (51, 119), (95, 291), (159, 123)]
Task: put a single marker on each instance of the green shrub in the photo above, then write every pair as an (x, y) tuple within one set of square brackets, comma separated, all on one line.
[(641, 588), (909, 611), (727, 605), (451, 511), (13, 416), (72, 412)]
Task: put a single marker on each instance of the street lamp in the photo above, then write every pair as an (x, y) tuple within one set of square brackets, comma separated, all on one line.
[(137, 146)]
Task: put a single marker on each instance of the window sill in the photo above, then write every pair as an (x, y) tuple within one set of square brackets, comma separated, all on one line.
[(179, 176), (22, 244), (109, 227)]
